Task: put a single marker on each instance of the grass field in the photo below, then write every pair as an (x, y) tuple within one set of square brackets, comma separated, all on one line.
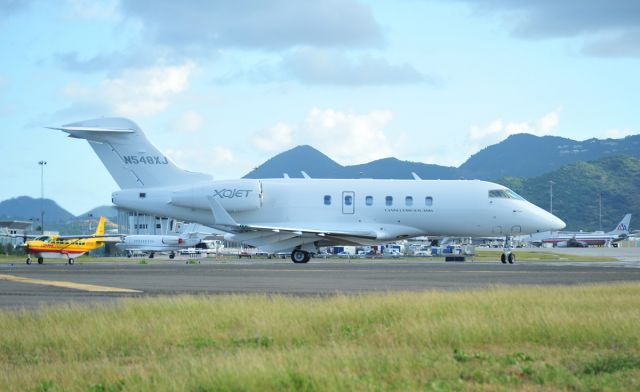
[(533, 338)]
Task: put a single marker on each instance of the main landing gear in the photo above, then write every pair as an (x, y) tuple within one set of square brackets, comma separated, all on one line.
[(172, 255), (300, 256), (40, 260), (507, 256), (71, 261)]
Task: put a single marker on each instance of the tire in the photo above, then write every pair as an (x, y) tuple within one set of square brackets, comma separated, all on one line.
[(503, 258), (40, 260), (300, 256), (28, 260), (71, 261), (511, 258)]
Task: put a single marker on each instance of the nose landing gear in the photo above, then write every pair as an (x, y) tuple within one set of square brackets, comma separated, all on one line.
[(507, 256)]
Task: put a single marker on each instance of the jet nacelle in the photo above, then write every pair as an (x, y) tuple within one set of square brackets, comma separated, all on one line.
[(233, 196)]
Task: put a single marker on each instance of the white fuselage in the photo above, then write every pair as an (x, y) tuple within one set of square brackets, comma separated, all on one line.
[(156, 243), (416, 207)]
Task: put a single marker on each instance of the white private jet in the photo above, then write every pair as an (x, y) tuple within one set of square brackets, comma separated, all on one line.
[(563, 239), (301, 215), (152, 244)]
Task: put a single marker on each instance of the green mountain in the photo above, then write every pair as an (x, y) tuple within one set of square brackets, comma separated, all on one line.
[(28, 208), (578, 188), (520, 155)]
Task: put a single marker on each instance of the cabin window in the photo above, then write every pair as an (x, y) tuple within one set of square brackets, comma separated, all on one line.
[(388, 200), (428, 201), (348, 200), (368, 200), (408, 201), (327, 200)]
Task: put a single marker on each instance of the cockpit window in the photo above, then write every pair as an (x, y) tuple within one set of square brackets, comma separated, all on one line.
[(504, 194)]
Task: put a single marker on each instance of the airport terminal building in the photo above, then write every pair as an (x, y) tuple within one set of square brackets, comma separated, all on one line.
[(13, 231)]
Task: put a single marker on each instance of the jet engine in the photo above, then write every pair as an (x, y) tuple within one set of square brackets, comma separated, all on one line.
[(239, 195)]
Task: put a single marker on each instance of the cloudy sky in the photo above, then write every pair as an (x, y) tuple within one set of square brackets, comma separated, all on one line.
[(221, 86)]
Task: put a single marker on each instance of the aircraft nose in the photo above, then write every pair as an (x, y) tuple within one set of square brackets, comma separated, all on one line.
[(557, 223)]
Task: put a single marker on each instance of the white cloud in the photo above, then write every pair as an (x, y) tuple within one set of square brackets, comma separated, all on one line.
[(609, 28), (273, 139), (346, 137), (206, 26), (619, 133), (330, 67), (498, 130), (91, 9), (189, 122), (136, 92), (350, 138), (203, 159)]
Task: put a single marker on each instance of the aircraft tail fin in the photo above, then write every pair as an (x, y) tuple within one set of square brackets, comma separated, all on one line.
[(100, 227), (623, 226), (130, 158)]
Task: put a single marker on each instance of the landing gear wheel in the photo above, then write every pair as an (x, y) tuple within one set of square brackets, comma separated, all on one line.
[(503, 258), (511, 258), (151, 255), (300, 256), (40, 260), (172, 255), (28, 260), (71, 261)]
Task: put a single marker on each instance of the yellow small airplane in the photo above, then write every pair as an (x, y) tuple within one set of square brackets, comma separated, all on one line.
[(65, 246)]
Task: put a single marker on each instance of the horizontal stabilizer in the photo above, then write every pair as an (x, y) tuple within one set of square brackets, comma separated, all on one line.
[(90, 129)]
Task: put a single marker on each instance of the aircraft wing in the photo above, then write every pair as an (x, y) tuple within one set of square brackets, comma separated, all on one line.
[(222, 218), (80, 237)]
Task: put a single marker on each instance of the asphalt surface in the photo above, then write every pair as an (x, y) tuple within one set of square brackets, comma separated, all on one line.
[(30, 286)]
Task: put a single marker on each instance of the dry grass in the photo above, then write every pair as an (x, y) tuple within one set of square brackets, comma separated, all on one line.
[(534, 338)]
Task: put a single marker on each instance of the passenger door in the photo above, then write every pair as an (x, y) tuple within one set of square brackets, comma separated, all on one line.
[(348, 202)]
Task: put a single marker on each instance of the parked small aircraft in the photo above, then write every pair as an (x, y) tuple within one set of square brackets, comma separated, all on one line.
[(69, 247), (564, 239), (151, 244)]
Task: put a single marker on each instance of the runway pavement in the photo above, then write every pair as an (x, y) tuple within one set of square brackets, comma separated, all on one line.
[(55, 283)]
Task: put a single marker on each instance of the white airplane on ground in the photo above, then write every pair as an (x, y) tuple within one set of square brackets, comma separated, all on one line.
[(301, 215), (149, 243), (563, 239)]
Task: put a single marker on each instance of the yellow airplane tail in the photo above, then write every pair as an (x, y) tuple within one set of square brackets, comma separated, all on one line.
[(100, 228)]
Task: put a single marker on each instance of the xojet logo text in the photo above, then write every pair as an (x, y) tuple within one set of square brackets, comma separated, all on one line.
[(231, 193)]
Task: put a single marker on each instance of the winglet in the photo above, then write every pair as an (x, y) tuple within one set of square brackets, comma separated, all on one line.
[(220, 215), (415, 176), (304, 174)]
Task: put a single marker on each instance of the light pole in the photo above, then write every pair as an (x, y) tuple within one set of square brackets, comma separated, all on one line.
[(42, 164), (551, 196), (600, 212)]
